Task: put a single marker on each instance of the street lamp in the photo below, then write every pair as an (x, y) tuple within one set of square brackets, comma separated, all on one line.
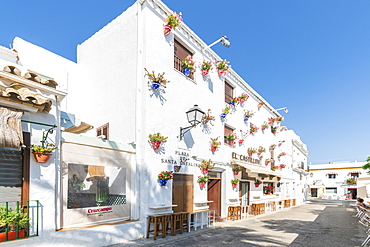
[(284, 108), (224, 41), (195, 116)]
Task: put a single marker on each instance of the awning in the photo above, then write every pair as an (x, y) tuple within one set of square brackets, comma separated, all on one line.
[(312, 186), (332, 173), (355, 172), (257, 169)]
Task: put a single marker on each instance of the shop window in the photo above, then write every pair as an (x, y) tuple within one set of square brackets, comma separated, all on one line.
[(332, 176), (227, 130), (180, 53), (354, 174), (103, 131), (268, 188), (331, 190), (229, 92)]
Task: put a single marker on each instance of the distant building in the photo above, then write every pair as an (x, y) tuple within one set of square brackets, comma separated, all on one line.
[(338, 180)]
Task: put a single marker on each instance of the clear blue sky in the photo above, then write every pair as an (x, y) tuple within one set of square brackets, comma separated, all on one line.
[(312, 56)]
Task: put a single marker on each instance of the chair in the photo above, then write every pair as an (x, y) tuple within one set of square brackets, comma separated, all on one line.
[(364, 219), (158, 222)]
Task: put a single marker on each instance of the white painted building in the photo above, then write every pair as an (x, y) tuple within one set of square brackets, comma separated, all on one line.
[(112, 181), (338, 180)]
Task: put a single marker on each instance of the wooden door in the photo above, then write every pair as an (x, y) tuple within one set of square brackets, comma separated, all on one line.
[(214, 194), (313, 192), (182, 192)]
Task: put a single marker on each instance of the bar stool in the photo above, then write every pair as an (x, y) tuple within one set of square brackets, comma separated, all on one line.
[(168, 224), (233, 212), (269, 207), (158, 222), (273, 206), (177, 223), (244, 210), (185, 221)]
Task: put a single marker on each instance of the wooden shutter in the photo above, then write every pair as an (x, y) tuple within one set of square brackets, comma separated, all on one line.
[(103, 130), (229, 92), (227, 130)]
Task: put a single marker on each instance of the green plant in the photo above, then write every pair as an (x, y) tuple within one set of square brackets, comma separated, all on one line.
[(248, 113), (231, 137), (159, 77), (157, 138), (367, 165), (251, 150), (234, 181), (203, 179), (253, 129), (351, 181), (208, 118), (275, 168), (206, 65), (223, 65), (236, 168), (39, 148), (174, 19), (165, 175), (257, 182), (206, 164), (12, 219), (261, 149), (272, 147), (281, 154), (188, 63), (226, 110), (264, 126), (215, 143), (268, 160)]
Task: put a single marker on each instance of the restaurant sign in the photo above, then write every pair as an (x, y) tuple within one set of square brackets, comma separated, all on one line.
[(245, 158), (99, 210)]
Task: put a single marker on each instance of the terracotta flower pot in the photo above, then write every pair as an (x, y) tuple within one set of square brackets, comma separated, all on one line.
[(259, 153), (167, 29), (201, 185), (241, 141), (205, 72), (266, 163), (221, 72), (231, 143), (234, 185), (236, 172), (262, 178), (204, 170), (250, 154), (156, 145), (41, 157), (213, 149), (241, 101), (256, 185)]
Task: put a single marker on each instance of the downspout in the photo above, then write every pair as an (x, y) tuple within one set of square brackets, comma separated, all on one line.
[(58, 191)]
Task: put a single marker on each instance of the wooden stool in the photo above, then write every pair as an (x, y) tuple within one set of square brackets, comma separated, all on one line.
[(244, 211), (273, 206), (157, 221), (177, 223), (168, 224), (233, 212), (185, 221)]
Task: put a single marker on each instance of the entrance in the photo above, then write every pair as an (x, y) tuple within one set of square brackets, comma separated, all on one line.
[(245, 193), (313, 192), (182, 192), (353, 192), (214, 193)]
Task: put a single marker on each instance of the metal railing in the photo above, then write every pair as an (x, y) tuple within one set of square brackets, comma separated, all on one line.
[(177, 65), (19, 219)]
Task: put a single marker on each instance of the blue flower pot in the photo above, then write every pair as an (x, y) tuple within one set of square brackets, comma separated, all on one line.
[(155, 85), (278, 185), (232, 103), (223, 115), (246, 118), (162, 182), (187, 71)]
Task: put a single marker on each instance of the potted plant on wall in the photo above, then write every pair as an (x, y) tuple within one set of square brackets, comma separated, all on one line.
[(281, 154), (206, 165), (234, 182), (187, 65), (242, 98), (205, 67), (42, 152), (231, 138), (274, 168), (236, 169), (281, 166), (215, 144), (262, 176), (251, 151), (11, 221), (164, 176), (257, 183), (157, 80), (234, 102), (202, 180), (156, 140), (268, 161), (248, 114), (225, 111), (253, 129), (261, 150), (173, 21), (272, 147), (208, 118), (222, 67), (264, 126)]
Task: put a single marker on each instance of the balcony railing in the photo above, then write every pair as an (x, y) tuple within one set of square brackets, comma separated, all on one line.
[(18, 220), (177, 65)]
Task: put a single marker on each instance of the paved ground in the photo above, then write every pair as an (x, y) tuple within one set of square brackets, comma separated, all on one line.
[(316, 223)]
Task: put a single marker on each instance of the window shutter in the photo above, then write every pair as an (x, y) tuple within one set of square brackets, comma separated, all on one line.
[(229, 92)]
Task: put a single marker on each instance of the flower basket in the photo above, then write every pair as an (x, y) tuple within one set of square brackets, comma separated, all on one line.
[(158, 80), (214, 149), (231, 143), (275, 168), (268, 161), (234, 182), (214, 144), (173, 21), (250, 154), (205, 72), (282, 166), (242, 98), (278, 179), (156, 140), (256, 185), (177, 168), (222, 67), (208, 118), (187, 65), (206, 165), (164, 176), (202, 180), (202, 185), (205, 66), (41, 157), (259, 153)]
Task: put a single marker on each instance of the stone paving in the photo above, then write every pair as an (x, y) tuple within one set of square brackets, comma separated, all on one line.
[(315, 223)]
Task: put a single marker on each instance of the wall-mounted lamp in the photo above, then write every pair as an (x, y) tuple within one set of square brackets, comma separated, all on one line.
[(224, 41), (284, 108), (195, 116)]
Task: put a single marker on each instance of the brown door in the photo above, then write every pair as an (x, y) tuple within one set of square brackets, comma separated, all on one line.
[(214, 195), (182, 192)]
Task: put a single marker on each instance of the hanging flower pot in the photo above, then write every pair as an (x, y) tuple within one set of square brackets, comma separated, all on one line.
[(268, 192), (205, 72), (156, 145), (201, 185), (162, 182), (236, 172), (278, 185), (234, 186), (241, 141), (155, 85), (262, 178), (213, 149), (177, 168), (246, 119), (256, 185), (278, 179), (259, 153), (204, 170), (260, 105), (250, 154), (41, 157), (231, 143), (187, 71), (221, 72), (223, 115), (167, 29)]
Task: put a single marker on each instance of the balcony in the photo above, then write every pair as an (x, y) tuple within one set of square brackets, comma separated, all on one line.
[(351, 181), (18, 220), (177, 66)]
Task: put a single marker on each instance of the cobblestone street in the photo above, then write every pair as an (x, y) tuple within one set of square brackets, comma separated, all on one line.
[(316, 223)]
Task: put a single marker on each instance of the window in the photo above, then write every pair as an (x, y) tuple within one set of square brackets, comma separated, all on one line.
[(332, 176), (354, 174), (103, 131), (268, 188), (229, 92), (227, 130), (331, 190), (181, 52)]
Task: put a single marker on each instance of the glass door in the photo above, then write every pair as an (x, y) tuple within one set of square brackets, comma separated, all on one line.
[(245, 194)]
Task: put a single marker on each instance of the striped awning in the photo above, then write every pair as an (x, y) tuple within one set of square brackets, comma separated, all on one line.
[(332, 173), (355, 172)]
